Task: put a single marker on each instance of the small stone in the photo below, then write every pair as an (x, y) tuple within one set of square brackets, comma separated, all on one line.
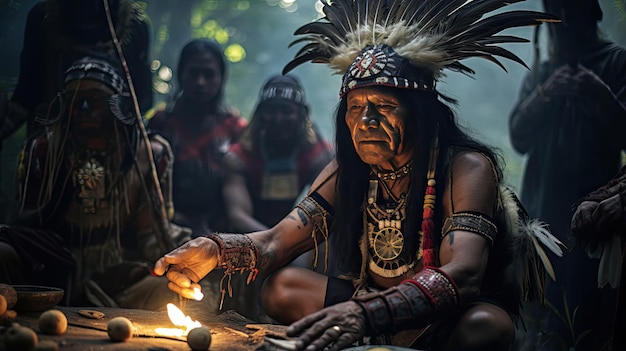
[(199, 339), (19, 338), (53, 322), (120, 329), (3, 305)]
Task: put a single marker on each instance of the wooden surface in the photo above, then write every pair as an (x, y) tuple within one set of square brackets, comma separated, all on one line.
[(229, 330)]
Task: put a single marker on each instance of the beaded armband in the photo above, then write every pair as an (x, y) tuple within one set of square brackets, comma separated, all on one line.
[(438, 287), (413, 304), (237, 253), (470, 222), (320, 214)]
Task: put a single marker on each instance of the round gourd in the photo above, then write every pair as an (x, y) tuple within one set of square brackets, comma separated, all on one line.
[(53, 322), (19, 338), (3, 305), (199, 339), (120, 329)]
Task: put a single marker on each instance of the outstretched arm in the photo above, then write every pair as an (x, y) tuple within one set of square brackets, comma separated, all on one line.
[(263, 251), (292, 236)]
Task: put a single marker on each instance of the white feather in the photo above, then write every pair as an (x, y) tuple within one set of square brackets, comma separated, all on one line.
[(511, 211), (610, 268), (539, 230)]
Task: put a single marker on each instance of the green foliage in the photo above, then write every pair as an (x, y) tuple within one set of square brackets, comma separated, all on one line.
[(620, 6), (255, 35)]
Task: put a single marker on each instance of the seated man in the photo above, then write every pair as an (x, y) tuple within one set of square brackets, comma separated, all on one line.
[(93, 216), (428, 239)]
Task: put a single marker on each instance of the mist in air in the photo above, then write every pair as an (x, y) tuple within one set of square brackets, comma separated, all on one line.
[(256, 35)]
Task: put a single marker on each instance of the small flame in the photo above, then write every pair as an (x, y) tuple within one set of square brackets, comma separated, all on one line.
[(179, 319), (197, 294)]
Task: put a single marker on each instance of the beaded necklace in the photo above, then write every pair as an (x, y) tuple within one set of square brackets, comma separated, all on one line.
[(396, 174), (383, 227), (384, 234), (383, 242)]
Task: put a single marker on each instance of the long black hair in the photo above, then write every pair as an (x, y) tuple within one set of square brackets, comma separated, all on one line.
[(428, 117), (198, 47)]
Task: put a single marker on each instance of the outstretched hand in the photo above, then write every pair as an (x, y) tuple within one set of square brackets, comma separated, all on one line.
[(335, 327), (187, 265)]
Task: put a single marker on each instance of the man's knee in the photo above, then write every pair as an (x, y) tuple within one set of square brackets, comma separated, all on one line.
[(276, 290), (483, 327), (292, 293)]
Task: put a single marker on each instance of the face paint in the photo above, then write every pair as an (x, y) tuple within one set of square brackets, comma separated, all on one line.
[(375, 118)]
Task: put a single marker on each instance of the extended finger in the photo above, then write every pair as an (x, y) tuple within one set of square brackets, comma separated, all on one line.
[(175, 288), (328, 337), (309, 336), (160, 267), (191, 275), (178, 278), (307, 322), (344, 340), (189, 293)]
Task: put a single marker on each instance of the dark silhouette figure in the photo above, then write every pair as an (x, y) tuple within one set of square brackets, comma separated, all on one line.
[(569, 121)]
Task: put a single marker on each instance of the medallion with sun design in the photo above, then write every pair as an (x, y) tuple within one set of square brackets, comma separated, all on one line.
[(388, 243)]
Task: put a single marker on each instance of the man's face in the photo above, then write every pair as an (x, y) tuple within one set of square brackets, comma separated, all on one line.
[(89, 112), (375, 118), (282, 120), (201, 78)]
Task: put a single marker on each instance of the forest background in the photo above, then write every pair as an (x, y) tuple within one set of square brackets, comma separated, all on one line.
[(256, 36)]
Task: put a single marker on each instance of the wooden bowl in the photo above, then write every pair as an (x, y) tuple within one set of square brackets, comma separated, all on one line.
[(36, 298)]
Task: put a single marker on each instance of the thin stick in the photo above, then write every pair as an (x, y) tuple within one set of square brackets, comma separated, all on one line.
[(163, 239)]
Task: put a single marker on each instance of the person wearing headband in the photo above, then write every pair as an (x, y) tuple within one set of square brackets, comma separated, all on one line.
[(59, 32), (432, 251), (278, 156), (56, 33), (91, 219), (279, 153)]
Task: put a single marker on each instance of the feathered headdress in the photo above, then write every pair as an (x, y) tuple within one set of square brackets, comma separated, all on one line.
[(408, 43)]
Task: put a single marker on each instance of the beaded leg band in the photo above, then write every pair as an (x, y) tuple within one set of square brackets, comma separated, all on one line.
[(237, 253), (413, 304)]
